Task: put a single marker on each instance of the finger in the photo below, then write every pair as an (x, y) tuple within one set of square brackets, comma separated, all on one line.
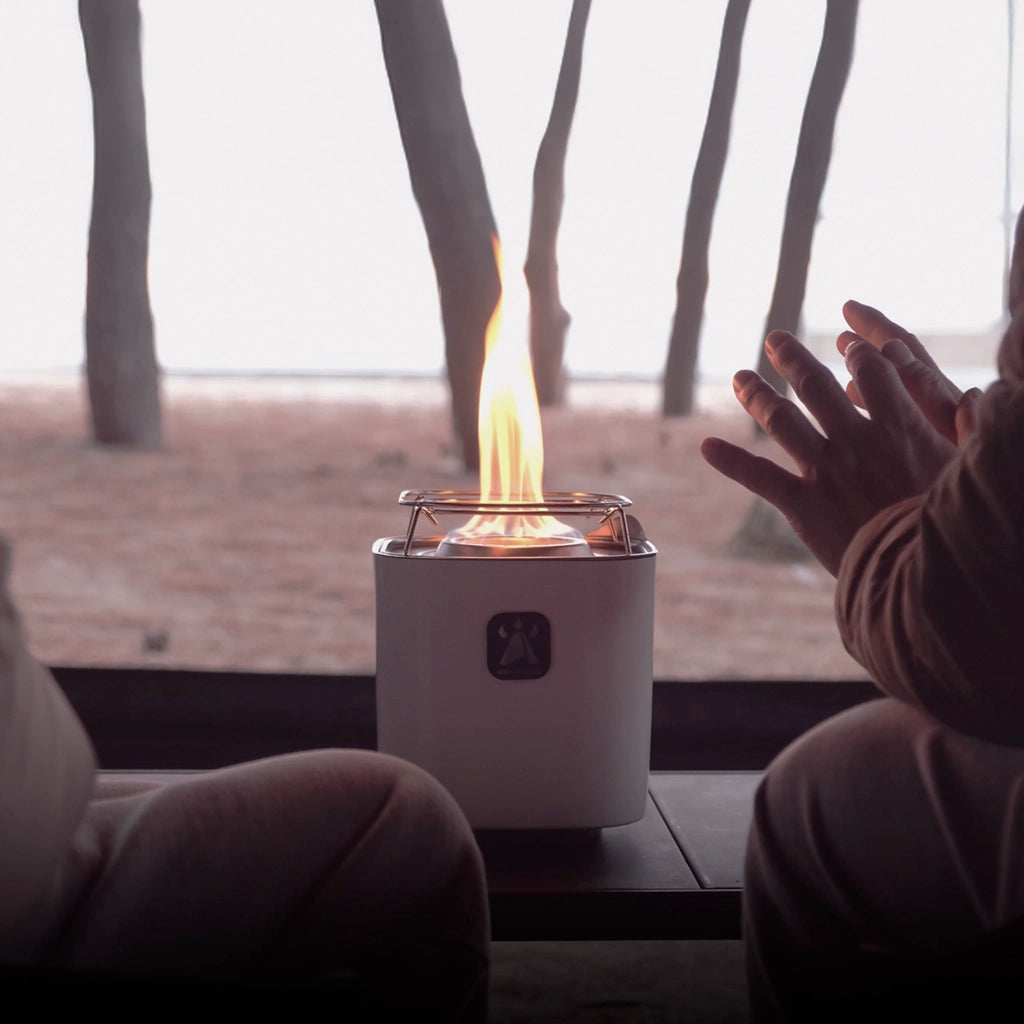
[(812, 382), (844, 340), (875, 327), (912, 368), (879, 384), (757, 474), (933, 393), (966, 416), (779, 418)]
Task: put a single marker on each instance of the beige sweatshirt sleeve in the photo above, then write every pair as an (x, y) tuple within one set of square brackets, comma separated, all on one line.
[(47, 767), (930, 593)]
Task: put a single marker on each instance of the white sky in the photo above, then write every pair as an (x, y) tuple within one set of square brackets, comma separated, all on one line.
[(284, 233)]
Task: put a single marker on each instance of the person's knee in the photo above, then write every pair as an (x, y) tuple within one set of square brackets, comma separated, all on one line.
[(848, 763), (340, 794), (818, 819), (406, 809), (835, 798), (394, 807), (412, 859), (357, 836), (416, 878)]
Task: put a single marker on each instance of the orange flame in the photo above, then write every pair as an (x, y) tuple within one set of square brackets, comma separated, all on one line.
[(511, 439), (510, 433)]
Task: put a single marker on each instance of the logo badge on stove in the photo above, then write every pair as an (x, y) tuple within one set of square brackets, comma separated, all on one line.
[(518, 645)]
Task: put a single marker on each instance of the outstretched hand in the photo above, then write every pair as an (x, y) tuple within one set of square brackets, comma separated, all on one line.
[(852, 468), (949, 410)]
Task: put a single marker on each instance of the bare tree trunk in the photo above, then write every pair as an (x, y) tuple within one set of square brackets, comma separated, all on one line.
[(448, 183), (765, 533), (810, 169), (692, 281), (549, 320), (1009, 212), (121, 368)]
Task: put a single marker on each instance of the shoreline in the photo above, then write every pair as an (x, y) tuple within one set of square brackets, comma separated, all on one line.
[(392, 391), (586, 393)]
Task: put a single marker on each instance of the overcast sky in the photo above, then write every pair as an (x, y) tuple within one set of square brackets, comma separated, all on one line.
[(284, 233)]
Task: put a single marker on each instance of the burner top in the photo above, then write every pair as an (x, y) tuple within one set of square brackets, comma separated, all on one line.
[(524, 534)]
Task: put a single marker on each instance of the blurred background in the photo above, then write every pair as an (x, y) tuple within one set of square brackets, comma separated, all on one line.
[(284, 232)]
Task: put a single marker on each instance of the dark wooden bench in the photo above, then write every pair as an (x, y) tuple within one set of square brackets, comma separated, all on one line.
[(676, 873)]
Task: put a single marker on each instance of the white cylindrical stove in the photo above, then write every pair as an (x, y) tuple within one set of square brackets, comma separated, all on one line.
[(518, 671)]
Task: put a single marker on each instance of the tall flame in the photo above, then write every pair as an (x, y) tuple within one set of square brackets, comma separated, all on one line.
[(511, 438), (510, 434)]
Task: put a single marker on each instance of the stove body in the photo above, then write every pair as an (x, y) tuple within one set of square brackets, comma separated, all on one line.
[(521, 682)]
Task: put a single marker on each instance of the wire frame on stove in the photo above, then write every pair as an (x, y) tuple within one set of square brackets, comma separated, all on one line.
[(607, 508)]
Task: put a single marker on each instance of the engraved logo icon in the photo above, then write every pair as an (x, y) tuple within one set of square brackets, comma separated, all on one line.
[(518, 645)]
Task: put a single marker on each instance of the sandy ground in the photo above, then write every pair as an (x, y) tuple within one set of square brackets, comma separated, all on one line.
[(246, 541)]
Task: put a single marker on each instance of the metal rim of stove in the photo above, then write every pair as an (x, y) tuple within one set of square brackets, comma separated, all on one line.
[(430, 503)]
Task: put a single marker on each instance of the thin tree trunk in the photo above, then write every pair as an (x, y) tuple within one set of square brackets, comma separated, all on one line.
[(810, 169), (692, 281), (121, 368), (765, 532), (1009, 212), (549, 320), (448, 183)]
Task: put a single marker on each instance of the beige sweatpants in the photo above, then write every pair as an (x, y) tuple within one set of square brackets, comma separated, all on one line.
[(337, 864), (884, 846)]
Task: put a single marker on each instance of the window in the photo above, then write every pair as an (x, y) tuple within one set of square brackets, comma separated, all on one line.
[(297, 318)]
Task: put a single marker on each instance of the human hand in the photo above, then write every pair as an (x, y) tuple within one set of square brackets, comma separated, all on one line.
[(949, 410), (858, 466)]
